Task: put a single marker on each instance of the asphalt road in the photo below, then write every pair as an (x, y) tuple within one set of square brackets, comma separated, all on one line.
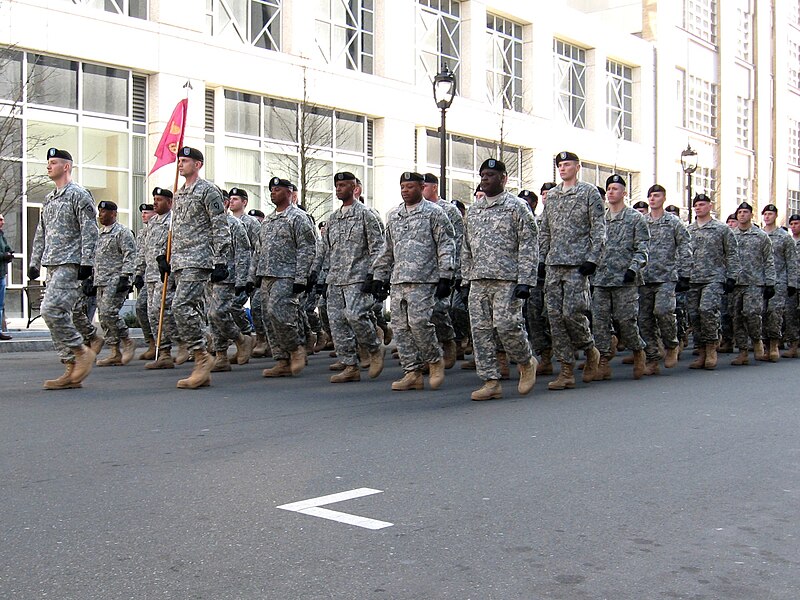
[(682, 486)]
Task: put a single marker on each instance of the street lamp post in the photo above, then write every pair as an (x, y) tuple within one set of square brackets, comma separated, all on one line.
[(689, 166), (444, 90)]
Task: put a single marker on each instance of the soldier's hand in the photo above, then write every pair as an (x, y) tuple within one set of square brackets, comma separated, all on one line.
[(163, 266), (138, 283), (33, 273), (682, 285), (630, 276), (366, 285), (541, 271), (239, 289), (729, 285), (465, 292), (123, 285), (457, 284), (311, 281), (587, 268), (442, 288), (250, 287), (377, 286), (220, 273), (321, 289), (88, 288), (791, 291), (769, 291), (258, 282), (298, 288), (522, 291), (84, 272)]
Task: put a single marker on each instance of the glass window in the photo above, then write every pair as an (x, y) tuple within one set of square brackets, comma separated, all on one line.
[(744, 109), (10, 138), (11, 76), (504, 62), (350, 132), (317, 126), (105, 90), (744, 48), (107, 185), (794, 60), (242, 113), (701, 106), (438, 33), (343, 33), (242, 165), (52, 81), (130, 8), (105, 148), (10, 205), (42, 135), (280, 120), (700, 19), (461, 153), (619, 99), (570, 83), (256, 22), (794, 142)]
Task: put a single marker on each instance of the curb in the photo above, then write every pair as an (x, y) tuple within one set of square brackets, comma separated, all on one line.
[(44, 345)]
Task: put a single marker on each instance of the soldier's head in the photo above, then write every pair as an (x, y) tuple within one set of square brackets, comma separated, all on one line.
[(280, 192), (430, 187), (701, 204), (546, 187), (147, 212), (744, 214), (616, 190), (641, 206), (107, 213), (345, 183), (254, 212), (732, 221), (769, 214), (411, 187), (190, 161), (59, 165), (656, 196), (530, 198), (493, 176), (238, 200), (568, 165), (794, 225), (162, 200)]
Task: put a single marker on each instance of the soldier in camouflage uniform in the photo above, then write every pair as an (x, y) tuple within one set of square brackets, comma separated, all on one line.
[(667, 271), (571, 241), (726, 307), (200, 241), (617, 280), (146, 211), (418, 256), (501, 251), (786, 267), (65, 239), (114, 262), (536, 310), (351, 243), (792, 335), (715, 268), (281, 268)]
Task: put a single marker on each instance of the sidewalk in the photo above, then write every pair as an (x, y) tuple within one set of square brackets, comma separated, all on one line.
[(37, 338)]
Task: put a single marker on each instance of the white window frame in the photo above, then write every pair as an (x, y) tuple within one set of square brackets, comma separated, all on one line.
[(570, 82), (504, 67), (437, 21), (353, 48), (619, 99)]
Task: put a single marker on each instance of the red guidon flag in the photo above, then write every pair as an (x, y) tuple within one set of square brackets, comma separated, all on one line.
[(172, 140)]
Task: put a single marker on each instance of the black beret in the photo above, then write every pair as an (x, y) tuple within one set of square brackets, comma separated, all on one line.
[(494, 164), (430, 178), (528, 195), (56, 153), (731, 217), (616, 179), (745, 206), (566, 156), (641, 204), (794, 217), (192, 153), (157, 191), (602, 190), (107, 205), (278, 182), (345, 176), (235, 191), (656, 188), (411, 176), (293, 187), (700, 198), (225, 195), (673, 209), (144, 207), (547, 186), (254, 212), (770, 208)]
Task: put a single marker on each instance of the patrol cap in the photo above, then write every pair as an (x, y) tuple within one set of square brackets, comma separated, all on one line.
[(192, 153), (547, 186), (56, 153), (700, 198), (411, 176), (656, 188), (235, 191), (673, 209), (345, 176), (794, 217), (278, 182), (641, 204), (430, 178), (528, 195), (616, 179), (770, 208), (144, 207), (158, 191), (107, 205), (731, 217), (254, 212), (562, 156), (494, 164), (745, 206)]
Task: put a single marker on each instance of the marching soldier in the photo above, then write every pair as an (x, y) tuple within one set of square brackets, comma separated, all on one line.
[(146, 211), (237, 200), (541, 341), (786, 267), (65, 241), (792, 311)]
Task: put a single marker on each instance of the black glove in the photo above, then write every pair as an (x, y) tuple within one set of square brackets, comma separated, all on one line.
[(457, 284), (682, 285), (85, 271), (298, 288), (33, 273), (769, 291), (442, 288), (138, 283), (729, 285), (791, 291), (465, 291), (629, 277), (311, 281), (220, 273), (522, 291), (366, 285), (258, 282), (240, 289), (88, 288), (321, 289), (587, 268), (163, 265), (377, 286), (383, 292), (541, 271), (124, 284), (250, 288)]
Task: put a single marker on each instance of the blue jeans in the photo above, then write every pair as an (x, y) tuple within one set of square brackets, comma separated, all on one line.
[(2, 297)]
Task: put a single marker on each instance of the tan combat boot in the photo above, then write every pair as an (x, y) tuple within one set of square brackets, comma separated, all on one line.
[(221, 363), (592, 364), (311, 342), (350, 373), (376, 362), (758, 350), (183, 354), (436, 378), (164, 361), (652, 368), (201, 374), (244, 349), (281, 369), (502, 362), (64, 382), (260, 346), (527, 376), (491, 390), (112, 360), (743, 358), (639, 360), (84, 361), (603, 369), (725, 347), (791, 351), (774, 353), (627, 360), (700, 361), (150, 353), (545, 366), (337, 366), (298, 360), (96, 343), (412, 380), (565, 379), (450, 352), (128, 350), (388, 335), (469, 365), (614, 345), (671, 359), (363, 357), (322, 340), (711, 356)]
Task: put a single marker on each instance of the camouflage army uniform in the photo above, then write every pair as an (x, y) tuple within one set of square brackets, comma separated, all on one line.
[(252, 227), (115, 257), (200, 239), (154, 245), (501, 250), (714, 259), (785, 254), (536, 316), (285, 255), (792, 328), (418, 251), (223, 302), (441, 309), (141, 295), (669, 256), (573, 232), (65, 238), (351, 242), (757, 270), (613, 298)]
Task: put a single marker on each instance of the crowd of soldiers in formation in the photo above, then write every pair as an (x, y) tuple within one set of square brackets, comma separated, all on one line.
[(589, 275)]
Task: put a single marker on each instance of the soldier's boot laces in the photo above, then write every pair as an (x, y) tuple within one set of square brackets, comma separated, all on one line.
[(128, 350), (527, 376), (182, 355), (592, 364), (412, 380), (791, 351), (244, 349), (774, 353), (376, 362), (150, 353), (65, 381), (450, 352), (96, 343), (298, 360), (164, 361), (436, 378), (350, 373), (565, 379), (201, 374), (700, 361), (280, 369), (490, 390), (639, 360), (545, 366), (711, 356), (743, 358), (671, 359), (759, 351), (112, 360), (221, 362), (603, 369), (502, 361)]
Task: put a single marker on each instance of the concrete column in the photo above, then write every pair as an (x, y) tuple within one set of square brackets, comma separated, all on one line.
[(472, 75), (395, 51)]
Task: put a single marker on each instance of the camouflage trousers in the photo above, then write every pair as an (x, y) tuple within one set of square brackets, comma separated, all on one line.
[(221, 307), (657, 317), (774, 314), (412, 309), (703, 302), (726, 317), (566, 294), (324, 321), (538, 324), (792, 314), (747, 308), (80, 317), (616, 306), (238, 312), (310, 308), (441, 320), (493, 310), (351, 319), (141, 314), (61, 294), (281, 309), (188, 306), (459, 315), (168, 328), (256, 313), (109, 303)]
